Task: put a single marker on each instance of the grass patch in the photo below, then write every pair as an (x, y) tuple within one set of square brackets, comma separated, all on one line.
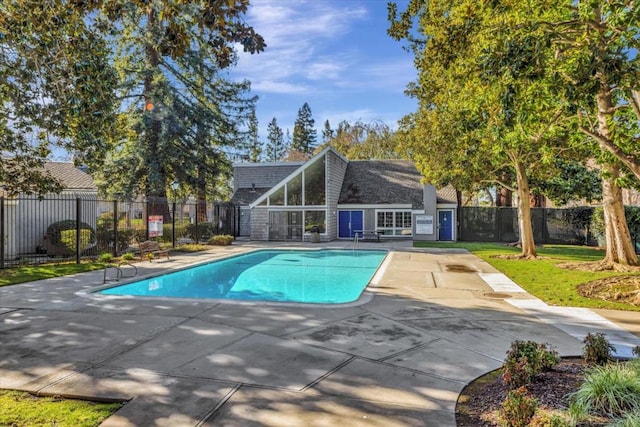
[(192, 247), (13, 276), (541, 278), (19, 409)]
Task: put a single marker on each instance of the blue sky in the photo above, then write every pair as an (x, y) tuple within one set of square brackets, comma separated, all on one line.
[(333, 54)]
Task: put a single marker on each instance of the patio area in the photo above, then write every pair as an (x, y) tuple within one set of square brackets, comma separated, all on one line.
[(433, 321)]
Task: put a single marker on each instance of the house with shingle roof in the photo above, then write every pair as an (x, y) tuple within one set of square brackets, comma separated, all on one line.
[(341, 199), (28, 217)]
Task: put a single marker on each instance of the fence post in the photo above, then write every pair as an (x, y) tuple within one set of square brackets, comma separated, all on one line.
[(2, 236), (78, 216), (115, 227), (146, 219)]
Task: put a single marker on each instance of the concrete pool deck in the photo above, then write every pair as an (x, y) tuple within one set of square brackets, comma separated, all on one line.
[(437, 319)]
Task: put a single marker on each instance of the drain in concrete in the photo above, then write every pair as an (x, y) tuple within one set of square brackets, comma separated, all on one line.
[(497, 295), (459, 268)]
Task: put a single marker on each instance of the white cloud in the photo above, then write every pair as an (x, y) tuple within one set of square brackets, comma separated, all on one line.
[(295, 33)]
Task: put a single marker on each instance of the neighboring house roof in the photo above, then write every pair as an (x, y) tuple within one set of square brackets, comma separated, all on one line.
[(246, 196), (447, 195), (70, 176), (371, 182)]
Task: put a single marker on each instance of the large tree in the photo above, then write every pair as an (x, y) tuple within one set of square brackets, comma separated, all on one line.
[(484, 94), (362, 141), (304, 133), (597, 60), (181, 113), (56, 89)]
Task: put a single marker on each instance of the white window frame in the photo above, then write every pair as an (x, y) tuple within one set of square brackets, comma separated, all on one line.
[(397, 230)]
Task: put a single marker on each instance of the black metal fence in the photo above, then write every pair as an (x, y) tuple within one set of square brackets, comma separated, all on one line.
[(550, 226), (75, 226)]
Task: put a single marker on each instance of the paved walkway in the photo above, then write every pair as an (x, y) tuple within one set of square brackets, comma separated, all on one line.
[(435, 320)]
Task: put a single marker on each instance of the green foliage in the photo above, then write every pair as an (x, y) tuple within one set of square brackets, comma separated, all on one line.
[(629, 419), (127, 256), (104, 232), (304, 134), (597, 349), (13, 276), (22, 409), (105, 258), (525, 360), (631, 213), (205, 231), (62, 235), (548, 420), (57, 88), (518, 408), (361, 141), (611, 390), (221, 240), (276, 146)]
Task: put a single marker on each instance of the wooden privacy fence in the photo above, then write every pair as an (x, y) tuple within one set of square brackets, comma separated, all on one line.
[(74, 226)]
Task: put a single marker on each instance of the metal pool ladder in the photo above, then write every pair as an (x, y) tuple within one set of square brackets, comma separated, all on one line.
[(355, 240), (119, 273)]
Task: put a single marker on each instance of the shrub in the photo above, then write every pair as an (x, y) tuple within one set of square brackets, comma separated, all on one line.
[(525, 360), (221, 240), (62, 236), (105, 258), (548, 420), (104, 232), (205, 231), (127, 256), (636, 351), (596, 349), (630, 419), (518, 408), (611, 390)]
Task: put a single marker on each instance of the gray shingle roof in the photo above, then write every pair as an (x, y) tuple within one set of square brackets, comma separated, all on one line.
[(70, 176), (246, 196), (447, 195), (382, 182)]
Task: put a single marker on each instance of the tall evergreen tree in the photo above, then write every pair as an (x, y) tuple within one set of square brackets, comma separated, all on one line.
[(181, 112), (304, 134), (276, 147), (327, 132), (254, 145)]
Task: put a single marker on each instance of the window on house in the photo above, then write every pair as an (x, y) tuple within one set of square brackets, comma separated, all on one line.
[(277, 198), (394, 222), (314, 184), (294, 191), (315, 218)]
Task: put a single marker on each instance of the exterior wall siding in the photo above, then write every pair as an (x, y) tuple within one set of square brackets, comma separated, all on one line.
[(336, 169), (245, 221), (430, 204), (259, 224)]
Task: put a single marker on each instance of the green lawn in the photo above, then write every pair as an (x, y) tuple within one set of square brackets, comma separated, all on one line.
[(18, 409), (541, 278), (12, 276)]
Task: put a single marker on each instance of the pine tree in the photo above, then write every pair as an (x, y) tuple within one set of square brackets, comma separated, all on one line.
[(328, 133), (304, 134), (275, 146), (254, 146)]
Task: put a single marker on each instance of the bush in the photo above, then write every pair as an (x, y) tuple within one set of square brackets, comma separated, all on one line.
[(105, 258), (612, 390), (597, 350), (104, 233), (127, 256), (630, 419), (205, 230), (548, 420), (525, 360), (221, 240), (518, 408), (61, 236)]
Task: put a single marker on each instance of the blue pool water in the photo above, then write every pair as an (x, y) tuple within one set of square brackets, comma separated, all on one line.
[(322, 276)]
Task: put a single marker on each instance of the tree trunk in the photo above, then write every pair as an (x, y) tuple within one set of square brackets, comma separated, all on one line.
[(524, 213), (619, 246), (620, 249)]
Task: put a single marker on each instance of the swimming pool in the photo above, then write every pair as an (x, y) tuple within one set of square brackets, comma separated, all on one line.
[(305, 276)]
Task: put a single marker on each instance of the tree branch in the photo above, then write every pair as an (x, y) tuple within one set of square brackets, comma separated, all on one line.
[(631, 161)]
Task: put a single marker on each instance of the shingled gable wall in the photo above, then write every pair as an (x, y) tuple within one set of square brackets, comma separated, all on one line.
[(336, 168)]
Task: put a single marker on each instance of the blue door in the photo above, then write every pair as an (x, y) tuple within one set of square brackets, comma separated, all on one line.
[(445, 225), (348, 222)]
